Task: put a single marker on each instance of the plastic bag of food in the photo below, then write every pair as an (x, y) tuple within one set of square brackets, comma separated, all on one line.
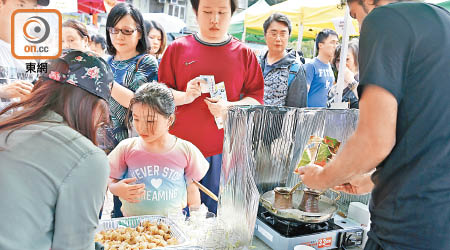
[(318, 151)]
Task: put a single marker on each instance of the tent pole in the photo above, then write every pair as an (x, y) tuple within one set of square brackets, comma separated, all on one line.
[(243, 34), (300, 36), (343, 58)]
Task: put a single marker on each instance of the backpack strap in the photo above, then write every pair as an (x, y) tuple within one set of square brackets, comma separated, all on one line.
[(139, 61), (293, 70), (109, 60)]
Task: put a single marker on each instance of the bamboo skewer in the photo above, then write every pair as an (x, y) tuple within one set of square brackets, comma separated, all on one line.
[(205, 190)]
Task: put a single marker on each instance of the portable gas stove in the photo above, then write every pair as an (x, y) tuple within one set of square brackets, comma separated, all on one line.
[(279, 234)]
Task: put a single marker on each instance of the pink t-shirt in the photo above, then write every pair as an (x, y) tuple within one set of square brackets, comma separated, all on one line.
[(164, 175)]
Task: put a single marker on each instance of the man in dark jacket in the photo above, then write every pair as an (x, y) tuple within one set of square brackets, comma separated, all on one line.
[(284, 75)]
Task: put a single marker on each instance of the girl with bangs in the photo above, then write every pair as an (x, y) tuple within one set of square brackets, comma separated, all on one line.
[(152, 174)]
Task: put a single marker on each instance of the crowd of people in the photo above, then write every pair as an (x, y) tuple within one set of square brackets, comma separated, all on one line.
[(128, 113)]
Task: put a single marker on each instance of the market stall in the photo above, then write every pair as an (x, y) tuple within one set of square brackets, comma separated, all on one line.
[(263, 146)]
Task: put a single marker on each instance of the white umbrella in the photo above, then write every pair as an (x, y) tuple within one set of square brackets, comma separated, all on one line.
[(237, 24), (171, 24)]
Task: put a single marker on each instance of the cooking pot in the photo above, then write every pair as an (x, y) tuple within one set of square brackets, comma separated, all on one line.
[(300, 206)]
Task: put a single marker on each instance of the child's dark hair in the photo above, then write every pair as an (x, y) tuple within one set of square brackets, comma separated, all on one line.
[(100, 40), (155, 95), (196, 3)]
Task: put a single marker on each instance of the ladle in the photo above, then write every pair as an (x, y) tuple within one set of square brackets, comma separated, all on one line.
[(295, 187)]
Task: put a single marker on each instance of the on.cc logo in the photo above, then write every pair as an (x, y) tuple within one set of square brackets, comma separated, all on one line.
[(36, 30), (30, 34)]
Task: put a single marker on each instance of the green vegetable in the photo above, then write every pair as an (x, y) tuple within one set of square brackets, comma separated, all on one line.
[(323, 155), (305, 159)]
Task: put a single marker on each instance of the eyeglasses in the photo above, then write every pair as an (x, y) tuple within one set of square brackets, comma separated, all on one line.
[(282, 35), (125, 31)]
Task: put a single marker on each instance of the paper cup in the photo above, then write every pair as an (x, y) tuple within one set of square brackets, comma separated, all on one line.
[(303, 247)]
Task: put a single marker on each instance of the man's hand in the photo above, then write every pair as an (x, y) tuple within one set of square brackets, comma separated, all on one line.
[(311, 176), (129, 192), (193, 90), (218, 107), (361, 184), (16, 89)]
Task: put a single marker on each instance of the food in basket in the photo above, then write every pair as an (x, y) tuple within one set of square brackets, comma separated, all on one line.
[(146, 235)]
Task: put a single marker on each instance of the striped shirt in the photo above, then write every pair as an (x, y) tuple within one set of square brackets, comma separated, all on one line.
[(126, 75)]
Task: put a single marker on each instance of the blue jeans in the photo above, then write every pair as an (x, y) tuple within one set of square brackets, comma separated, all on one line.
[(212, 181), (116, 213)]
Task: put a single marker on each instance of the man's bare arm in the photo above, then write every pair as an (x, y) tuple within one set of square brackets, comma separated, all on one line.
[(372, 141)]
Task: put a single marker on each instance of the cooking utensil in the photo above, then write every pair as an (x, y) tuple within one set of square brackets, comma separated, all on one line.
[(310, 201), (295, 187), (205, 190), (326, 207), (283, 196)]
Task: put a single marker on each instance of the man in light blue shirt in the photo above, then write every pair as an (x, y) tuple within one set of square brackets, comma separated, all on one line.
[(319, 74)]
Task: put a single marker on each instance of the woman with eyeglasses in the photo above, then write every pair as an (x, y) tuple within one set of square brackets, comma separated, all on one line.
[(132, 66)]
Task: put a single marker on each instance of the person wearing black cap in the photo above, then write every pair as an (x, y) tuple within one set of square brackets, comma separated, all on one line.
[(13, 80), (53, 177)]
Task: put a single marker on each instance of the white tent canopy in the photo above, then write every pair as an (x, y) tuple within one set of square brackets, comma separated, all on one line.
[(237, 21), (171, 24), (256, 8)]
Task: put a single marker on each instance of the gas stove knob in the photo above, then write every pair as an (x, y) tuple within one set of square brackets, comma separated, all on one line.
[(349, 242), (352, 239)]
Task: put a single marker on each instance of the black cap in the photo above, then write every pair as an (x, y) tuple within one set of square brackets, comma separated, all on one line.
[(86, 71), (43, 2)]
